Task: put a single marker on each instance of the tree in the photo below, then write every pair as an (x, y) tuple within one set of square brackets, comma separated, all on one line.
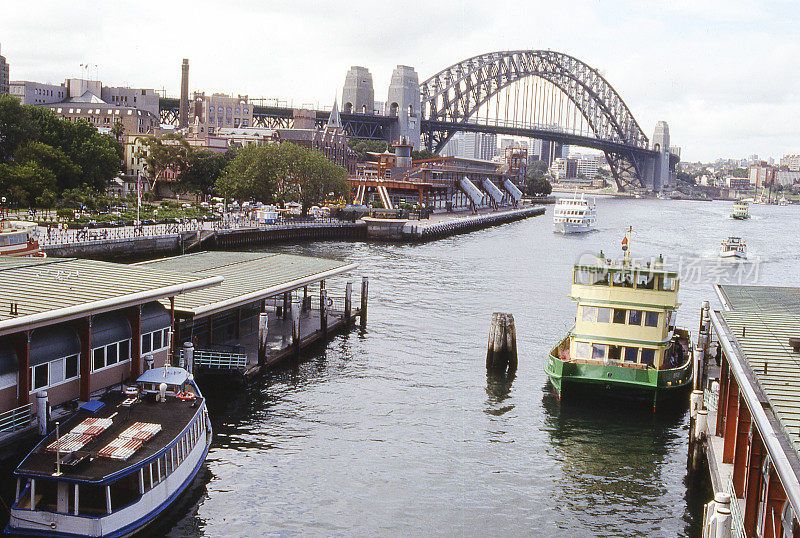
[(66, 172), (22, 183), (170, 152), (252, 174), (423, 154), (204, 168), (363, 147), (537, 184), (117, 130)]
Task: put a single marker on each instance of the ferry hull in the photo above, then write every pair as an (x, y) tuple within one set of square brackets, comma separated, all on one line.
[(574, 381), (740, 217), (571, 228), (733, 254)]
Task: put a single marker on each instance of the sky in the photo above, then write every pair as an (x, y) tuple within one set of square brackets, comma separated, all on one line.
[(722, 73)]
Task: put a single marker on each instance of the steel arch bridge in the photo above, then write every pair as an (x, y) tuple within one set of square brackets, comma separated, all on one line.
[(452, 98)]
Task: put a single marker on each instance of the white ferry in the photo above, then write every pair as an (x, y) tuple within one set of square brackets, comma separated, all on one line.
[(118, 463), (733, 247), (574, 215), (18, 238), (741, 210)]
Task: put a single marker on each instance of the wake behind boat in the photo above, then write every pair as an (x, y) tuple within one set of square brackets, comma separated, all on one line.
[(118, 463), (574, 214)]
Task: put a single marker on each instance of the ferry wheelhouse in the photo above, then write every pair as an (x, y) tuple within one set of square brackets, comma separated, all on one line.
[(574, 215), (741, 210), (122, 460), (18, 238), (624, 342), (733, 247)]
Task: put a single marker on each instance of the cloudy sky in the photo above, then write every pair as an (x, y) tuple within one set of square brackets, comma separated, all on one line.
[(724, 74)]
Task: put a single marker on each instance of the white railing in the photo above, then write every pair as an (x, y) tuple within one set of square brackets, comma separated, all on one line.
[(737, 518), (14, 419), (219, 360), (710, 400)]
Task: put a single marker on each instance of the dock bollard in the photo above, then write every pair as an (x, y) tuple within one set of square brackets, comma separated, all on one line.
[(364, 295), (263, 331), (501, 352), (188, 357), (42, 412), (296, 331), (348, 302)]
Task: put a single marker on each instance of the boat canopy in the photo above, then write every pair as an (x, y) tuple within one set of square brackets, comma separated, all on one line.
[(626, 269), (171, 375)]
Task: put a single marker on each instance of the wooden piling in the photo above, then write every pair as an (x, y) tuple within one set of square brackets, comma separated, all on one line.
[(501, 351), (323, 311), (348, 302), (364, 294)]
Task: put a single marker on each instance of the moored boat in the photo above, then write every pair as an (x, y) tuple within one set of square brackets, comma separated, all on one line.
[(116, 465), (574, 214), (18, 238), (733, 247), (741, 210), (624, 343)]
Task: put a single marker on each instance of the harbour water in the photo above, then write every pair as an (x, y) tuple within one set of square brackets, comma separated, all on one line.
[(400, 431)]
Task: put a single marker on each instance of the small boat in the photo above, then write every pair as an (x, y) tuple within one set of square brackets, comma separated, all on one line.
[(118, 463), (574, 214), (18, 238), (733, 247), (624, 343), (741, 210)]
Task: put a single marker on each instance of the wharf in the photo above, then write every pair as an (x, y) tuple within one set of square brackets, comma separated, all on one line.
[(444, 224)]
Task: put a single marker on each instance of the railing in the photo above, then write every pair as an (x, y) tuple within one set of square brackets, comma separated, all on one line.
[(219, 360), (710, 400), (737, 518), (14, 419)]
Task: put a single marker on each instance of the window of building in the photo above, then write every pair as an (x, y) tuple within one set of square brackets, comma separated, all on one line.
[(155, 341), (619, 315), (53, 373), (635, 317), (648, 356), (105, 356), (651, 319), (603, 315)]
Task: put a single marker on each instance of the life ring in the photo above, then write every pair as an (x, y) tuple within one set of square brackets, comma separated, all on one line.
[(330, 302), (185, 396)]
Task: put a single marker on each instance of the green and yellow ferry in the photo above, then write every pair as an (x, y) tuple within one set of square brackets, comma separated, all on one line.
[(624, 343)]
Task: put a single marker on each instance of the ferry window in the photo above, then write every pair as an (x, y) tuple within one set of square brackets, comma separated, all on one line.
[(635, 317), (147, 478), (598, 352), (623, 279), (99, 358), (619, 315), (146, 343), (614, 353), (124, 350), (583, 277), (645, 281), (651, 319), (157, 340), (56, 371), (603, 315), (111, 354), (46, 495), (583, 350), (631, 354), (648, 356), (588, 313), (668, 284), (124, 491), (91, 500)]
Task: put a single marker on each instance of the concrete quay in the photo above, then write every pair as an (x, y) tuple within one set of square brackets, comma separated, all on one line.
[(443, 224)]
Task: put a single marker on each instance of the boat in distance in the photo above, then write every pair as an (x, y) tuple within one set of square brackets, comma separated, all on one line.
[(118, 463), (574, 214), (18, 238), (624, 343), (733, 247), (741, 210)]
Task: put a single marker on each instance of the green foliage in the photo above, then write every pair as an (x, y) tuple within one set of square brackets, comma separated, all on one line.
[(204, 169), (537, 169), (40, 151), (686, 177), (282, 173), (170, 152), (536, 182), (740, 172), (364, 146), (422, 154)]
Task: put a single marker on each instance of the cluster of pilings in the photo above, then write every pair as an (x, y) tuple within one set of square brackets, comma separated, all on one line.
[(501, 353)]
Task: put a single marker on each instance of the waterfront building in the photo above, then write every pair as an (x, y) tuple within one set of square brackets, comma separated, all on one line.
[(790, 162), (563, 169), (37, 93), (787, 177), (4, 74), (75, 327), (139, 98), (751, 390), (738, 183), (219, 110), (761, 175)]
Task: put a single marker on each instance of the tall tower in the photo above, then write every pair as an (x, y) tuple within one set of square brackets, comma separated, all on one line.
[(183, 118), (3, 75), (404, 103), (358, 95), (661, 175)]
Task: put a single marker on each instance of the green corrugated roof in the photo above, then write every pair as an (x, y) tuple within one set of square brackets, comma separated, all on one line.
[(762, 298), (248, 277), (50, 290), (763, 336)]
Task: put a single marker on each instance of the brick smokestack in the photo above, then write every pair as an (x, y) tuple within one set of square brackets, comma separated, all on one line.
[(183, 119)]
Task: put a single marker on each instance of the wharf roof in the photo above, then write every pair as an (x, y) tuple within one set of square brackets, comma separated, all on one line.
[(761, 298), (248, 277), (42, 291)]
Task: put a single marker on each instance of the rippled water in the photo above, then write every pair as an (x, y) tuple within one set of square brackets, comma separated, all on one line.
[(399, 431)]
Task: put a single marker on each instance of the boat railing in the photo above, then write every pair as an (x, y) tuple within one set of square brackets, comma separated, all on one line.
[(737, 520), (219, 360), (17, 418), (710, 400)]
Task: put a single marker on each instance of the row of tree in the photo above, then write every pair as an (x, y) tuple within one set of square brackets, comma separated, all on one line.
[(42, 156)]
